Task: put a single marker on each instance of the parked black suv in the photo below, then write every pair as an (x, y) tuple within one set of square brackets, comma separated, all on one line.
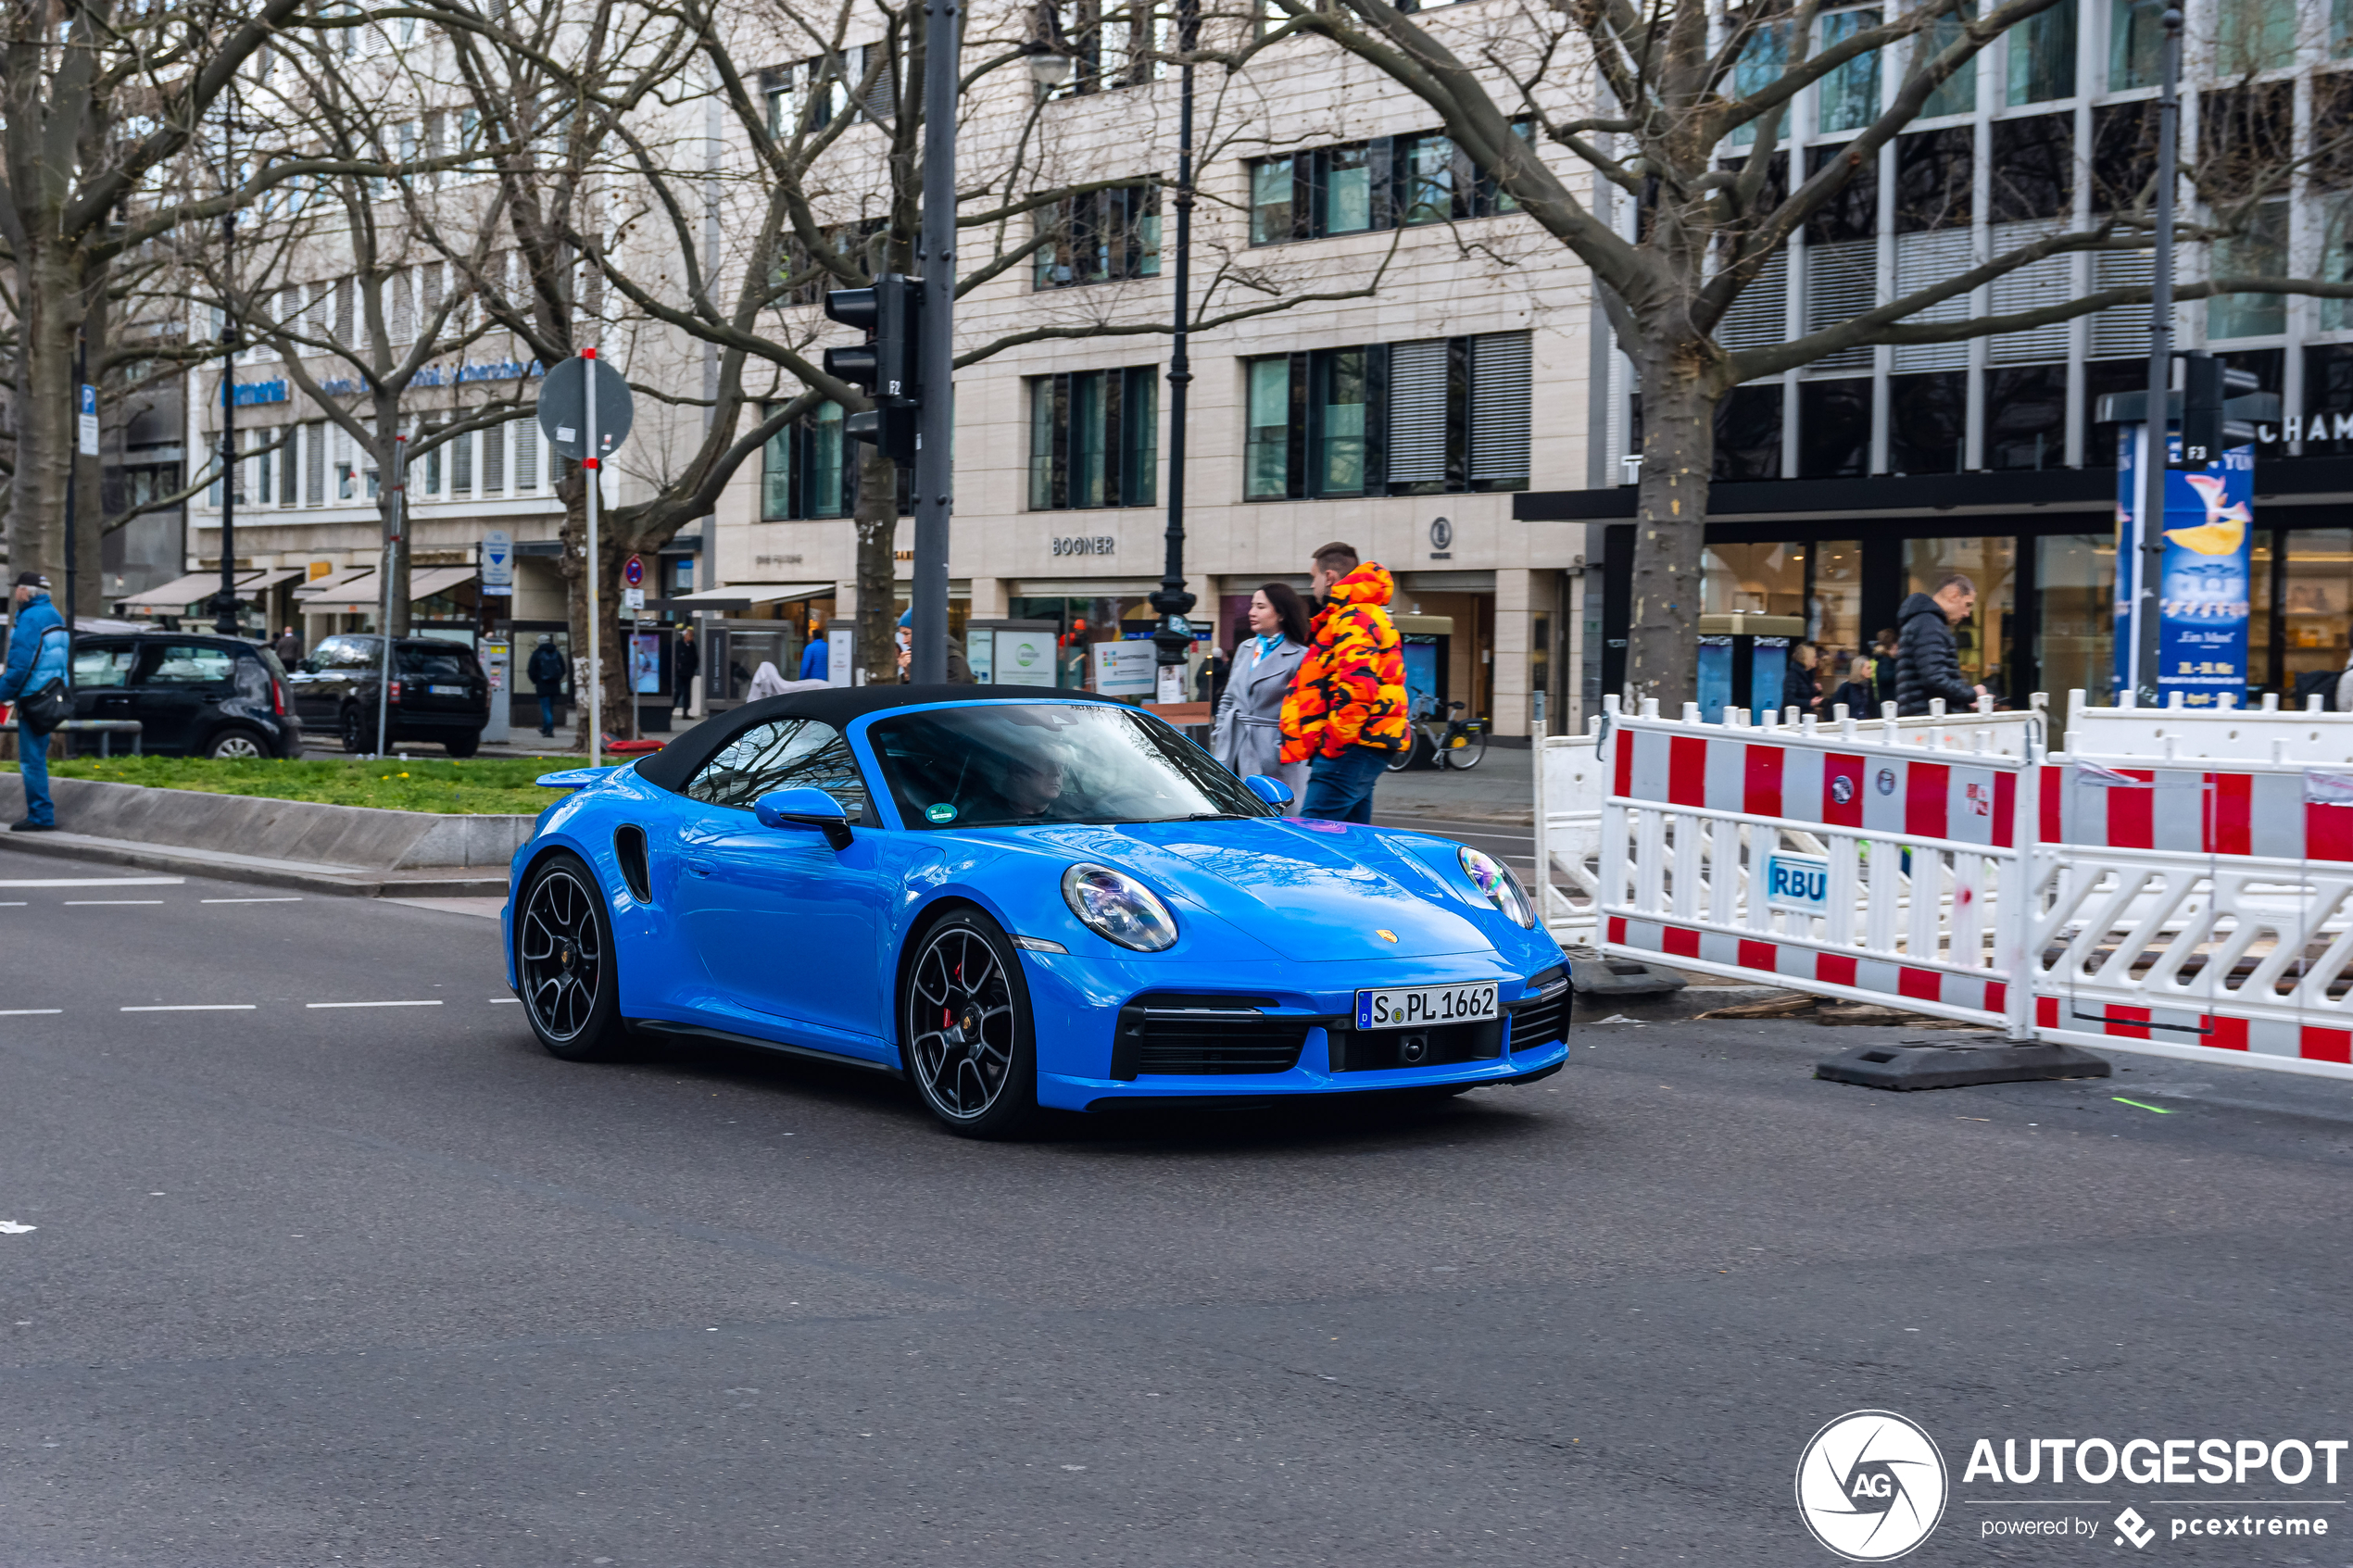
[(439, 691), (194, 695)]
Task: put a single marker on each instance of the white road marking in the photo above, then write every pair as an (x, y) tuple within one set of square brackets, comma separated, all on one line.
[(94, 881), (293, 898), (74, 903), (427, 1004), (13, 904), (9, 1227), (506, 1001), (193, 1007), (26, 1012)]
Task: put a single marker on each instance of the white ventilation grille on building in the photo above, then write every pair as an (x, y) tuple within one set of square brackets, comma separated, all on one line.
[(527, 454), (2047, 281), (1418, 412), (1841, 282), (1922, 260), (1501, 378), (1760, 315), (2121, 331)]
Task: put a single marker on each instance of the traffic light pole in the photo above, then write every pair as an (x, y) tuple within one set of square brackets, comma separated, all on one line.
[(2147, 602), (936, 353)]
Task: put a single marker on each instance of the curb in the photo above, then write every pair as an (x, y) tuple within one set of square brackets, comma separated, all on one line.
[(179, 861)]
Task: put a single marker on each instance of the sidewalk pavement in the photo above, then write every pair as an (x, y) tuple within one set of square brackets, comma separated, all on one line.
[(1501, 789)]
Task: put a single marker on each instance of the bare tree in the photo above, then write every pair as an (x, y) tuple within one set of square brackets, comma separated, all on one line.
[(1675, 113)]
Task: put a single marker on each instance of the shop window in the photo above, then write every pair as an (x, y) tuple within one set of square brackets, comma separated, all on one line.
[(1933, 179), (1928, 422), (1958, 93), (1847, 99), (1098, 236), (1834, 603), (2327, 415), (1094, 439), (2033, 168), (1984, 638), (1833, 428), (2316, 600), (1765, 578), (2040, 56), (2075, 599), (2026, 417), (1748, 432)]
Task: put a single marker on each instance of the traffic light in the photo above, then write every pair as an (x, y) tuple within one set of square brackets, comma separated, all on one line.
[(890, 314)]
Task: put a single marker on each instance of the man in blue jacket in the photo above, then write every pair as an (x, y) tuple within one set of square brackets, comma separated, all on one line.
[(40, 650)]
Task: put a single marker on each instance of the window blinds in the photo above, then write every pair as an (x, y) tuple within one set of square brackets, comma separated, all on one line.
[(1418, 412), (1501, 373)]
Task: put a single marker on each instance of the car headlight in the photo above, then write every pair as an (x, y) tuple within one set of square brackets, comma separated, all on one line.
[(1502, 888), (1115, 904)]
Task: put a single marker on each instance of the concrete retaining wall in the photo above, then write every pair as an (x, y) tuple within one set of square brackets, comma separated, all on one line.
[(359, 836)]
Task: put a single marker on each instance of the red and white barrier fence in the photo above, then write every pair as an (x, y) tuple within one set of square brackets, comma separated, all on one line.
[(2164, 897)]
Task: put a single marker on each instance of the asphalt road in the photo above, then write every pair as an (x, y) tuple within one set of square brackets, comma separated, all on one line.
[(313, 1283)]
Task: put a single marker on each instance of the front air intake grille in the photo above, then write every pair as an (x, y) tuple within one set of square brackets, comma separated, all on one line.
[(1184, 1036), (1441, 1044), (1540, 1024)]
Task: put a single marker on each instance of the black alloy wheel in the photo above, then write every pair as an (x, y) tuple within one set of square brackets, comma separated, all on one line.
[(564, 963), (966, 1027)]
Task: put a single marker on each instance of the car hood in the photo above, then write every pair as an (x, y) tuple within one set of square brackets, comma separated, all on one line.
[(1310, 892)]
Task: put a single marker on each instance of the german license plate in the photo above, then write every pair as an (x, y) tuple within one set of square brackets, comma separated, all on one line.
[(447, 691), (1423, 1007)]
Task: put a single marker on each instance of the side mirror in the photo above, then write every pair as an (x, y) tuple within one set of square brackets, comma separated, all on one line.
[(805, 808), (1268, 788)]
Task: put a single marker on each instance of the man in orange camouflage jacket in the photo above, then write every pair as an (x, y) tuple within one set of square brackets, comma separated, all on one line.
[(1345, 715)]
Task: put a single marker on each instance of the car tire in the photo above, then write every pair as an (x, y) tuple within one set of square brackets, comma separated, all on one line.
[(967, 1036), (238, 745), (354, 738), (463, 746), (565, 966)]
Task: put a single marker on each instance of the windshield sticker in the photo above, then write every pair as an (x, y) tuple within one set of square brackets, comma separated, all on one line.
[(943, 812)]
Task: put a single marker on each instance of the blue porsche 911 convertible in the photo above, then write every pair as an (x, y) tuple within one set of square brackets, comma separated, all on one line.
[(1019, 898)]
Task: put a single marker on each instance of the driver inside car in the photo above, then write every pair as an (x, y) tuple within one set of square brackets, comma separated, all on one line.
[(1032, 785)]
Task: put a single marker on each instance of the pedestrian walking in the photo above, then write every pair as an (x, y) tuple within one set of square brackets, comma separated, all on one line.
[(288, 647), (1928, 660), (1882, 655), (1345, 714), (685, 663), (1248, 733), (39, 651), (813, 655), (1802, 680), (1858, 691), (547, 673), (959, 669)]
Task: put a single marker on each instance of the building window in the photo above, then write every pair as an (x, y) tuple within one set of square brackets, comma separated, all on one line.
[(1748, 432), (1763, 60), (461, 465), (1109, 46), (1848, 98), (493, 460), (1361, 186), (1345, 189), (1101, 236), (1958, 93), (1433, 181), (1833, 428), (2042, 56), (1270, 202), (830, 488), (2136, 38), (1928, 422), (2026, 417), (1404, 419), (1337, 405), (775, 474), (1266, 465), (1094, 439), (2260, 252)]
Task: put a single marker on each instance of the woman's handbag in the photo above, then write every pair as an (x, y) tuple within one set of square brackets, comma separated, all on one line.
[(38, 712)]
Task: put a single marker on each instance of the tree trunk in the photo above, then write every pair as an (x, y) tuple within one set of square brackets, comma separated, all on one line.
[(50, 297), (877, 518), (1679, 456)]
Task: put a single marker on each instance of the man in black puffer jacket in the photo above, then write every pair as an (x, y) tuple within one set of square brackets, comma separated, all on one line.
[(1928, 662)]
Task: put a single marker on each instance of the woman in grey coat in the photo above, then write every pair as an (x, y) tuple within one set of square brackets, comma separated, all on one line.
[(1249, 733)]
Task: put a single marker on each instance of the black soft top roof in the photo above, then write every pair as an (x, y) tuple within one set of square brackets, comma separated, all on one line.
[(675, 763)]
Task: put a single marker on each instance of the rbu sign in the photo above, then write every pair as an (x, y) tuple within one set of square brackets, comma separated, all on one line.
[(1798, 882)]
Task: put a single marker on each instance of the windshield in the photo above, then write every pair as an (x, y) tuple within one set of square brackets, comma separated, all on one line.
[(1027, 763)]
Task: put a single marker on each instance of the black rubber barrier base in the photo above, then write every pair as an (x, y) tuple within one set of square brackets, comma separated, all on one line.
[(1958, 1066)]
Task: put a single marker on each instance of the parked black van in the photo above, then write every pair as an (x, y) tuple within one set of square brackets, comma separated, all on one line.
[(194, 695)]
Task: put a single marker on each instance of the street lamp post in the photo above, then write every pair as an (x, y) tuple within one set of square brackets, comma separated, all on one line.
[(1174, 640), (936, 350), (224, 603), (2150, 556)]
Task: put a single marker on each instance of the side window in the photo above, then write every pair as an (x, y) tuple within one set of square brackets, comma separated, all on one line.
[(185, 664), (330, 654), (782, 753), (103, 664)]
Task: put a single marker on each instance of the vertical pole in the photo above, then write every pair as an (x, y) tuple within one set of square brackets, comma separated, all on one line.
[(2150, 557), (224, 604), (594, 468), (935, 355), (1174, 641), (73, 489), (392, 540)]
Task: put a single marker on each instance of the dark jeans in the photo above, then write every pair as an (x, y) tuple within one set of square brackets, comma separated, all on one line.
[(33, 763), (1339, 789), (546, 713)]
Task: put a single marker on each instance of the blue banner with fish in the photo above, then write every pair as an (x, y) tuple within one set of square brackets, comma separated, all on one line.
[(2204, 595)]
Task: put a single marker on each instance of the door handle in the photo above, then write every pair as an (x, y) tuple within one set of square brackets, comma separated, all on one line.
[(701, 868)]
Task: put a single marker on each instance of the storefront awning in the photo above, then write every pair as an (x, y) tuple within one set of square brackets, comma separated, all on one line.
[(338, 582), (173, 598), (364, 594), (748, 593)]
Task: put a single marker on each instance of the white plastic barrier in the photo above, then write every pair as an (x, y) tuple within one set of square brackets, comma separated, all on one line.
[(1571, 786), (1874, 861), (2269, 733)]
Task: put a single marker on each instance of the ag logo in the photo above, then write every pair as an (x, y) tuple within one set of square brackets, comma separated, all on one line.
[(1870, 1485), (1841, 789), (1886, 781), (1025, 655)]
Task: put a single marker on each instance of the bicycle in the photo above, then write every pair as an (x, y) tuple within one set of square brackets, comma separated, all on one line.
[(1442, 741)]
